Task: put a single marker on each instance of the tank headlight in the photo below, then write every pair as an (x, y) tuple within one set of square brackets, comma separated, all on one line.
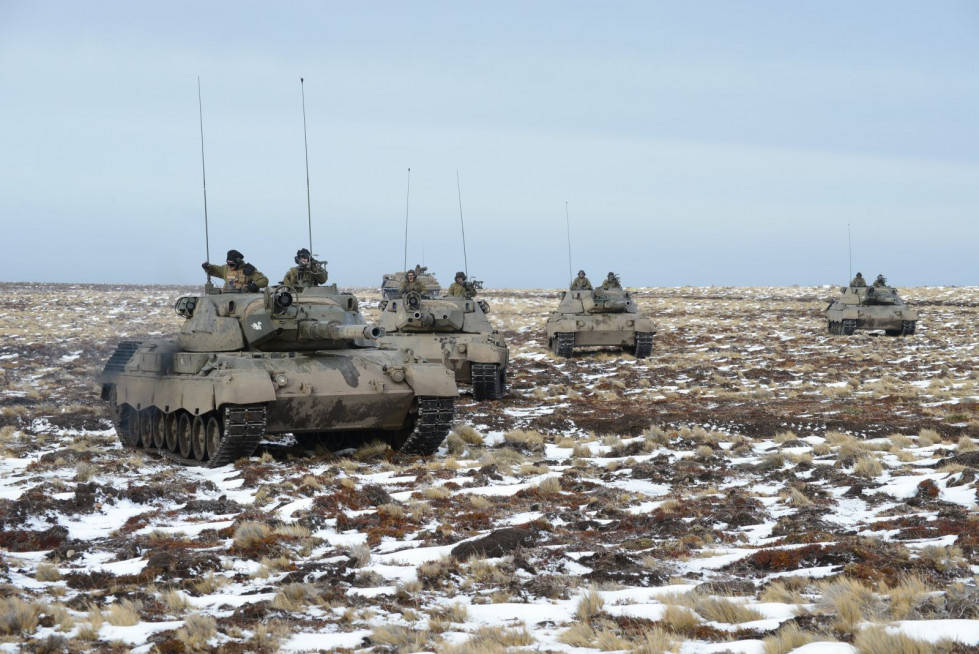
[(580, 323), (280, 379), (398, 375), (461, 347)]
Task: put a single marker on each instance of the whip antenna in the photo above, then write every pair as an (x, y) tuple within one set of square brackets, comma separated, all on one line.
[(465, 261), (407, 196), (200, 114), (849, 242), (309, 211), (567, 222)]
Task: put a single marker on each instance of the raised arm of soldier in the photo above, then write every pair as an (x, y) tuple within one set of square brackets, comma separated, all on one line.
[(880, 281), (612, 281), (581, 283), (458, 287), (306, 272), (237, 274)]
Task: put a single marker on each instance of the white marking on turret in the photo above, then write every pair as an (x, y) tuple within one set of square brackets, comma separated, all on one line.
[(257, 326)]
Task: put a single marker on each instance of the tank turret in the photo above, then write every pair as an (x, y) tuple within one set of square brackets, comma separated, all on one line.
[(249, 366)]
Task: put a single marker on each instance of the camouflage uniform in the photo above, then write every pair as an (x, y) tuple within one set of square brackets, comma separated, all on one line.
[(238, 278), (611, 282), (858, 281), (581, 284), (880, 281), (312, 275), (412, 286)]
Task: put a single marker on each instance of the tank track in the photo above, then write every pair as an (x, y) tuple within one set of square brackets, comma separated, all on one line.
[(644, 345), (431, 426), (489, 381), (243, 430), (848, 327), (908, 327), (564, 344)]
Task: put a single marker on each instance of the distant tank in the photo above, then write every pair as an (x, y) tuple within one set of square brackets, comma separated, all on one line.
[(453, 331), (868, 308), (391, 283), (248, 365), (599, 317)]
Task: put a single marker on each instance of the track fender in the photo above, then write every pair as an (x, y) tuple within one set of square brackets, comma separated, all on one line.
[(431, 380), (242, 387), (486, 353)]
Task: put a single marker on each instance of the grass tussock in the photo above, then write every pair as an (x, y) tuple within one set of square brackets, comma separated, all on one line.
[(726, 611), (197, 631), (655, 641), (878, 640), (401, 639), (524, 439), (18, 617), (467, 434), (850, 602), (550, 485), (47, 572), (590, 605), (928, 437), (124, 613), (251, 534), (786, 639)]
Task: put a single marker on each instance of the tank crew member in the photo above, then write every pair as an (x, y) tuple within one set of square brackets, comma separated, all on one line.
[(307, 271), (411, 284), (237, 274), (458, 288), (611, 282), (858, 280), (580, 283), (880, 281)]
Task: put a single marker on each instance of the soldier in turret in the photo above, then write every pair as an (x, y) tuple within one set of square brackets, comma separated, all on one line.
[(880, 281), (237, 274), (411, 284), (459, 288), (612, 281), (858, 281), (307, 271), (581, 283)]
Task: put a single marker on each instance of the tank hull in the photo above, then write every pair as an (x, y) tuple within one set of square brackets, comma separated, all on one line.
[(457, 352), (369, 391)]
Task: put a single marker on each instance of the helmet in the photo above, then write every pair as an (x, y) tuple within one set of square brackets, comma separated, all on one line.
[(581, 273), (859, 274), (460, 274), (302, 254), (235, 258), (611, 275), (410, 272)]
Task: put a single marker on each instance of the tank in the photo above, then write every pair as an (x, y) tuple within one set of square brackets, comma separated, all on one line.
[(391, 283), (452, 331), (246, 366), (869, 308), (599, 317)]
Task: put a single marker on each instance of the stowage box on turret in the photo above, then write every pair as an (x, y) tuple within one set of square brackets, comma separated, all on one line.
[(599, 317), (868, 308), (247, 365), (453, 331)]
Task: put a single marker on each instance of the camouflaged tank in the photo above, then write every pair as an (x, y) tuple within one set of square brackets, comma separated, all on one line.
[(599, 317), (249, 365), (868, 308), (453, 331), (391, 284)]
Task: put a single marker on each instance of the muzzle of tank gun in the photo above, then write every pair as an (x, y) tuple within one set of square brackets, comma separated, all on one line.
[(328, 330), (616, 304), (423, 319)]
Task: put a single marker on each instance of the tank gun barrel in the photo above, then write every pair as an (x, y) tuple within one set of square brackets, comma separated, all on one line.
[(615, 304), (317, 330)]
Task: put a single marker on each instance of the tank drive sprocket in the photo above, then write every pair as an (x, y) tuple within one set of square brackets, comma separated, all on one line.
[(489, 381), (563, 344), (644, 345)]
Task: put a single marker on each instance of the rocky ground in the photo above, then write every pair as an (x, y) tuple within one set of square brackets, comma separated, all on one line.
[(754, 486)]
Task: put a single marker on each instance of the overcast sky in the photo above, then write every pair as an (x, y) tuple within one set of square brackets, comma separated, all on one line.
[(725, 143)]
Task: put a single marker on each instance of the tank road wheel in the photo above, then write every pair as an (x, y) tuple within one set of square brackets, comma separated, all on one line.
[(170, 426), (212, 436), (489, 381), (849, 326), (431, 422), (563, 344), (197, 444), (908, 327), (184, 431), (145, 431), (893, 332), (644, 345), (159, 429)]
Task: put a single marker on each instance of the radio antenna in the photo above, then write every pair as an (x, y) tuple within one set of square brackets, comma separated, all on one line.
[(407, 197), (465, 260), (309, 211), (567, 222), (849, 241), (207, 242)]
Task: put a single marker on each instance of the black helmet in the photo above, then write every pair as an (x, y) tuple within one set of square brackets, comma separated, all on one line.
[(859, 274), (235, 258), (302, 254), (581, 273), (460, 274), (611, 275), (410, 272)]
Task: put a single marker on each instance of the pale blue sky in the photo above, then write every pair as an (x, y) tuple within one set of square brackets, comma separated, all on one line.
[(724, 143)]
